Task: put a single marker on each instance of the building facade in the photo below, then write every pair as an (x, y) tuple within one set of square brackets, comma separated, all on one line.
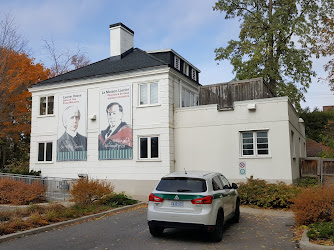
[(134, 117)]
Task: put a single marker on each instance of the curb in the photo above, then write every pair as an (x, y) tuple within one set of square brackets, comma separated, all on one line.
[(63, 223), (305, 243)]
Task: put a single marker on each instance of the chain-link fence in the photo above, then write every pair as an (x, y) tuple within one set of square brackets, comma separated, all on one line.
[(56, 188)]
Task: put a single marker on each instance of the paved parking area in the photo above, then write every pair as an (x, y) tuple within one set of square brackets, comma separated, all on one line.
[(129, 230)]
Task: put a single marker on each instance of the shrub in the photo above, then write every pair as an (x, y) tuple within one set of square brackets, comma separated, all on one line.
[(120, 199), (268, 195), (85, 191), (323, 230), (307, 182), (20, 193), (314, 205), (37, 220)]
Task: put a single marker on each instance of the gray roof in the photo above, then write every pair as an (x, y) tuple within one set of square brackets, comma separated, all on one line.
[(133, 59)]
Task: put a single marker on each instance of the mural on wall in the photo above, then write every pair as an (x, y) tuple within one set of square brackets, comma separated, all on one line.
[(115, 138), (72, 137)]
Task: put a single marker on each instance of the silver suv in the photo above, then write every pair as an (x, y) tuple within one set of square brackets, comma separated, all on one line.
[(201, 200)]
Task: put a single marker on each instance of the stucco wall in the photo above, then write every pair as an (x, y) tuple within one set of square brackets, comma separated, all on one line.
[(207, 139)]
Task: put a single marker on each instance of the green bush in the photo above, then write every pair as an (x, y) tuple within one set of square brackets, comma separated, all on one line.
[(268, 195), (120, 199), (308, 182), (321, 230)]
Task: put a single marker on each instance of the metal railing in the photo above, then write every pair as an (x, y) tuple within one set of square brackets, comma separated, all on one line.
[(56, 188)]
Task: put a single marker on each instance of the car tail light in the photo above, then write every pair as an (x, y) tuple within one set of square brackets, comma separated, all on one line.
[(205, 200), (154, 198)]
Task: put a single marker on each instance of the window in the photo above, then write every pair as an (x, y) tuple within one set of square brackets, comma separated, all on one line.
[(226, 184), (255, 143), (181, 184), (193, 74), (189, 98), (186, 69), (292, 144), (45, 151), (46, 104), (177, 62), (148, 93), (149, 147), (216, 183)]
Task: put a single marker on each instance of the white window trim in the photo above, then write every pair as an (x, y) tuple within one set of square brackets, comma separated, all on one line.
[(46, 108), (255, 155), (186, 69), (193, 74), (149, 104), (191, 92), (177, 65), (45, 162), (149, 148)]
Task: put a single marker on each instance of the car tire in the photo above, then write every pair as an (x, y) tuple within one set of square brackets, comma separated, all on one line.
[(217, 234), (156, 231), (236, 216)]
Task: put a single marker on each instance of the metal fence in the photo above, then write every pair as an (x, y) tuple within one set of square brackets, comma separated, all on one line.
[(56, 188)]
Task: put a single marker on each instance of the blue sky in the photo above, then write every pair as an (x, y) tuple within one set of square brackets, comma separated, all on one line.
[(190, 27)]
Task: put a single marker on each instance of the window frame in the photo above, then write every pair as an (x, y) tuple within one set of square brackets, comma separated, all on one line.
[(254, 143), (193, 74), (192, 95), (177, 63), (47, 106), (148, 94), (45, 152), (149, 148), (185, 68)]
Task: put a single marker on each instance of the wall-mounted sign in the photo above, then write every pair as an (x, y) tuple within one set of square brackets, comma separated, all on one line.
[(242, 168), (72, 137), (115, 138)]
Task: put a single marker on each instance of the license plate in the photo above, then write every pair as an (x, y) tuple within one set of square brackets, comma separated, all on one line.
[(176, 204)]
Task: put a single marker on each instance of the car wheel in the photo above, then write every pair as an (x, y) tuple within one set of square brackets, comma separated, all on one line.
[(217, 234), (236, 216), (156, 231)]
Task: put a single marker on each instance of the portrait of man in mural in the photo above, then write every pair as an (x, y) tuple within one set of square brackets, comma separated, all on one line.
[(71, 140), (118, 135)]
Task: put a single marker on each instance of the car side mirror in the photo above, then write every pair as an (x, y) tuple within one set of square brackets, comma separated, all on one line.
[(234, 186)]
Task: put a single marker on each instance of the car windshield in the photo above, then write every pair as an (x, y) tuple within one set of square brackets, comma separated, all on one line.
[(182, 184)]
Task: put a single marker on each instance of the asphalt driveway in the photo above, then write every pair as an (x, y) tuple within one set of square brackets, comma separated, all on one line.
[(129, 230)]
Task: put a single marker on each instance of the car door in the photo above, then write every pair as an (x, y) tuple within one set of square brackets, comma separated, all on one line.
[(229, 192), (220, 195)]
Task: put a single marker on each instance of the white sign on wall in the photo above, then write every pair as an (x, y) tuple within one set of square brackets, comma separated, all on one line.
[(242, 168)]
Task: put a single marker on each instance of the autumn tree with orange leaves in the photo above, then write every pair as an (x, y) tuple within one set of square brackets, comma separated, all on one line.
[(18, 72)]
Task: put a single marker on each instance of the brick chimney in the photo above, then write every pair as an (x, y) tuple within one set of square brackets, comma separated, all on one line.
[(121, 39)]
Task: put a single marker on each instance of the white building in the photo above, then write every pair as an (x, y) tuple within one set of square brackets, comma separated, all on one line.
[(162, 127)]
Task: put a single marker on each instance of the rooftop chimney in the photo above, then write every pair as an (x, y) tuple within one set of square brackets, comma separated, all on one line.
[(121, 39)]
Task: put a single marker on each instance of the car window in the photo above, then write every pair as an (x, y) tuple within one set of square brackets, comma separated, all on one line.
[(216, 183), (182, 184), (225, 182)]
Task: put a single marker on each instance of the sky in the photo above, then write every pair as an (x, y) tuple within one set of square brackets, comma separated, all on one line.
[(190, 27)]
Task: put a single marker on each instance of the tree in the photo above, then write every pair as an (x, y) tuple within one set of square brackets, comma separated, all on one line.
[(275, 41), (325, 47), (319, 126), (17, 73), (64, 61)]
